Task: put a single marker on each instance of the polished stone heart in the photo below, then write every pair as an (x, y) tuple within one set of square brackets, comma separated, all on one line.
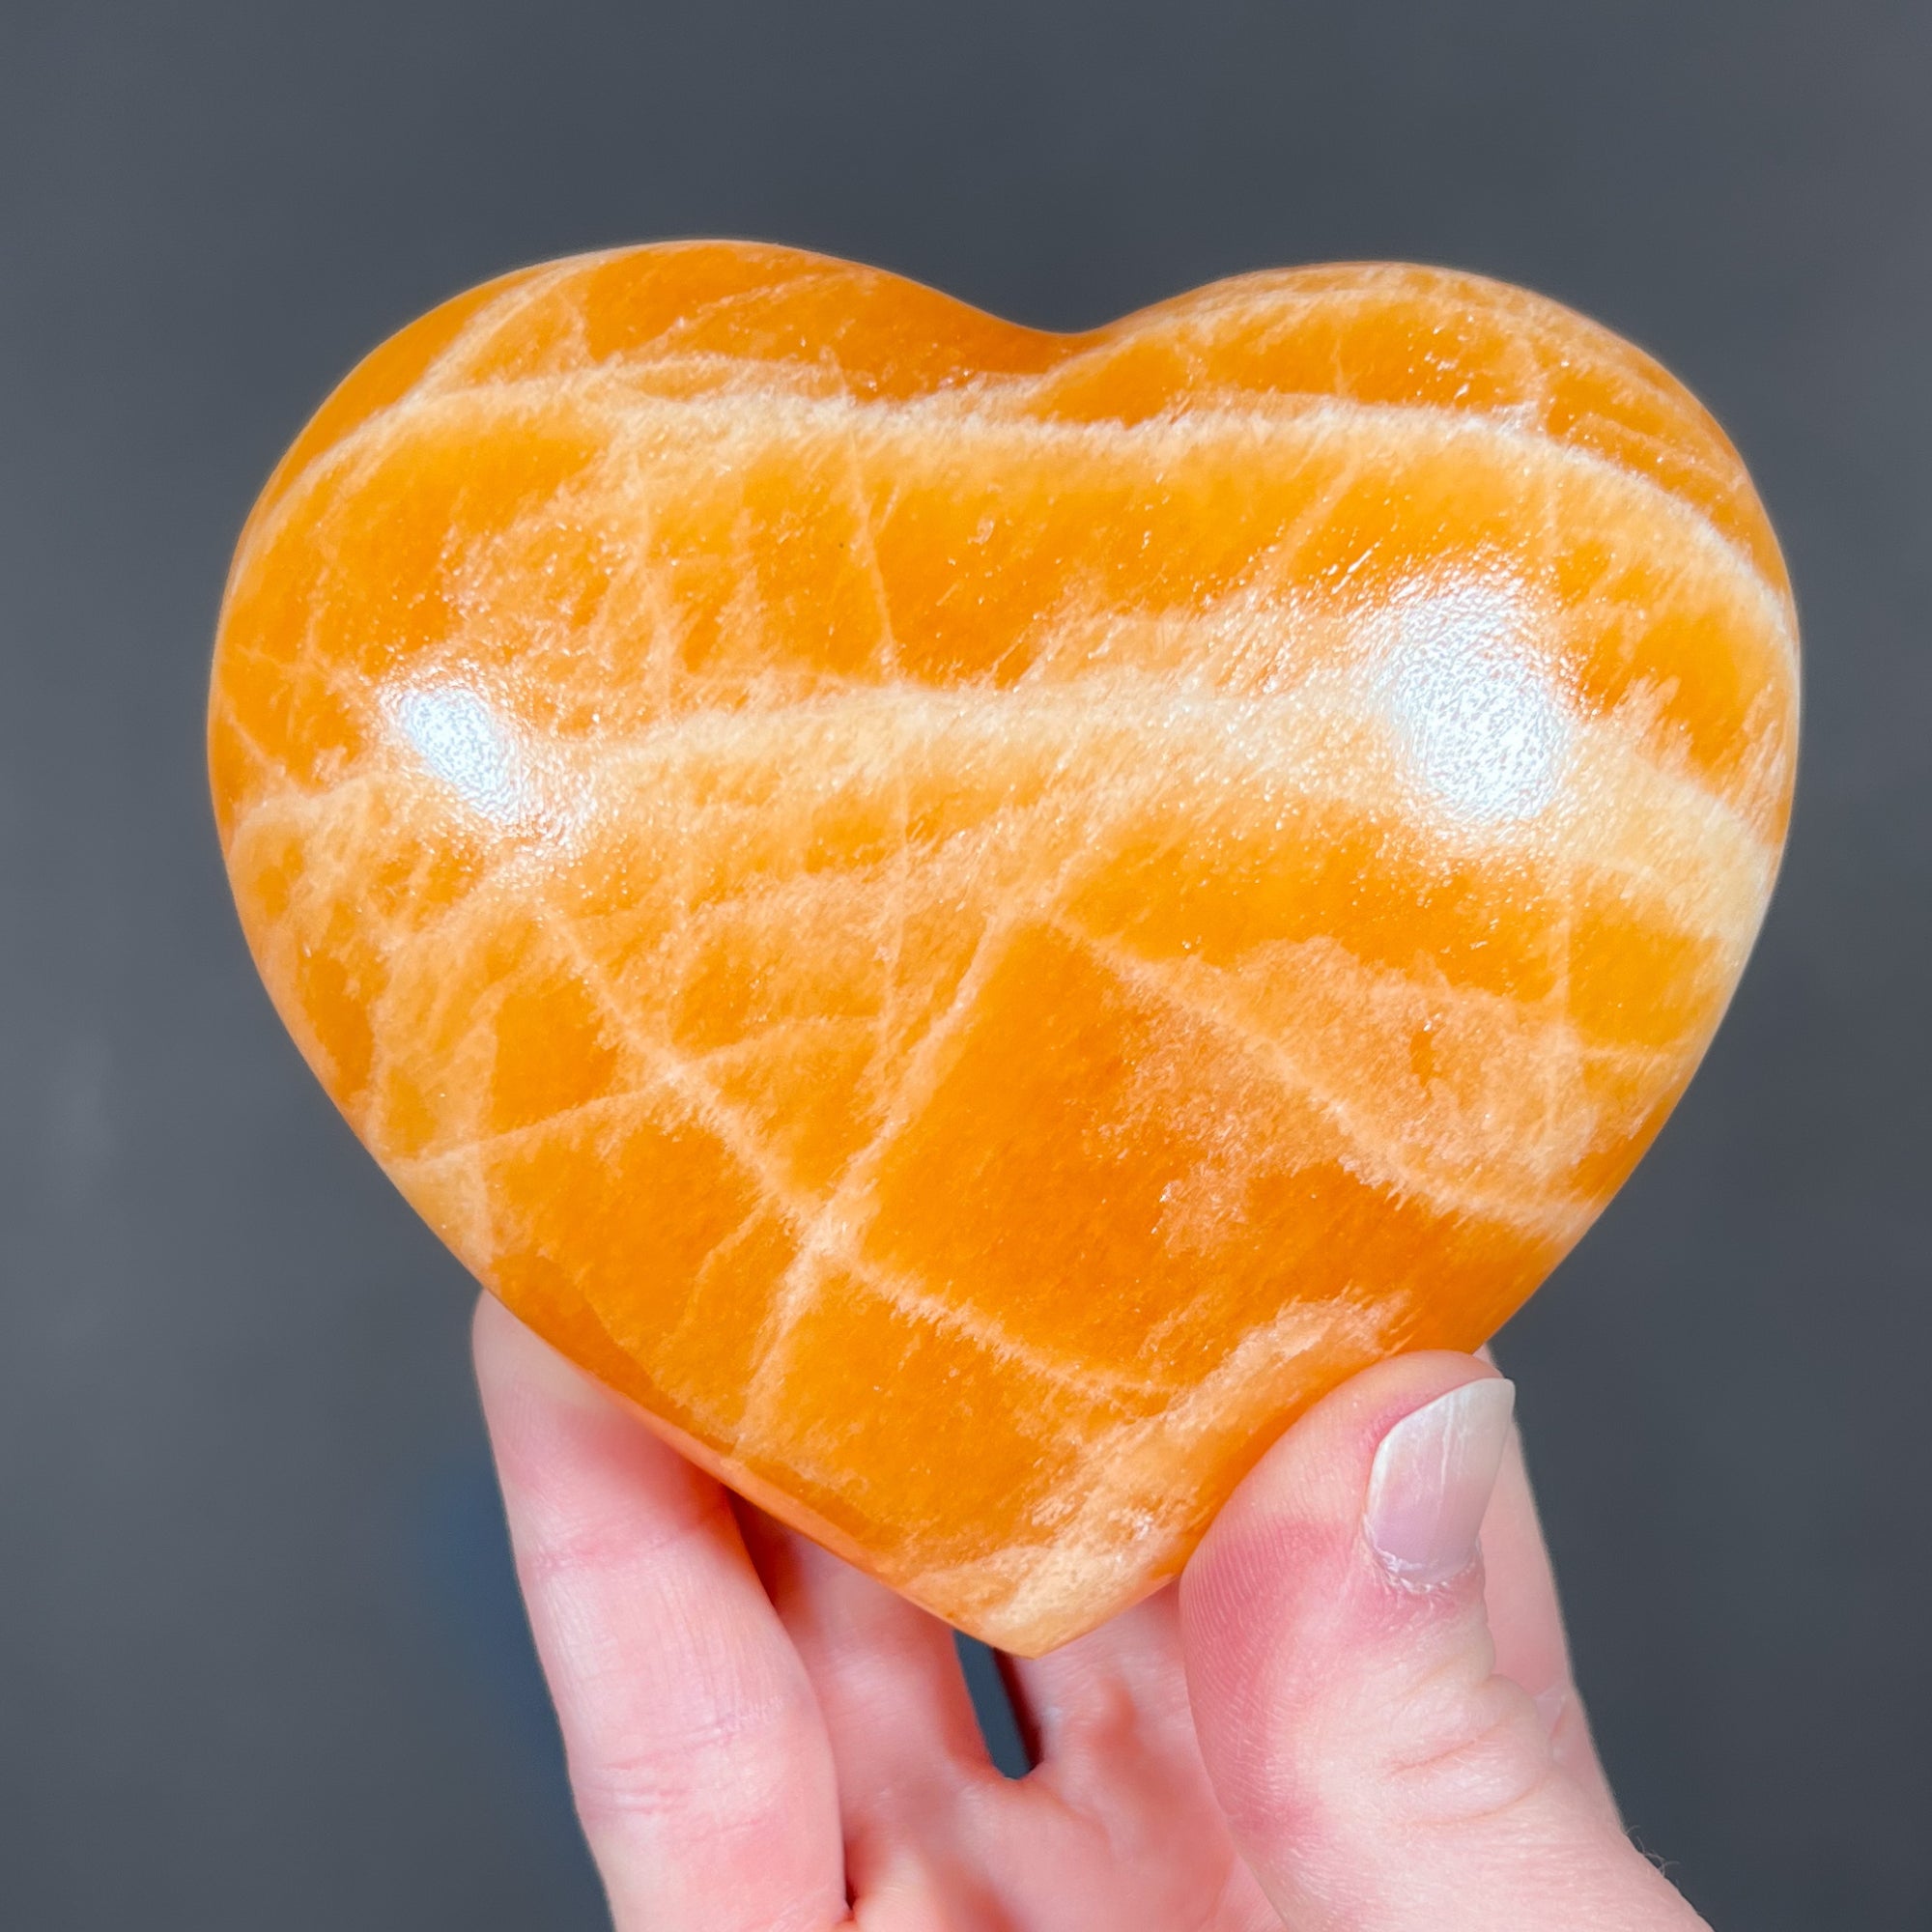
[(972, 917)]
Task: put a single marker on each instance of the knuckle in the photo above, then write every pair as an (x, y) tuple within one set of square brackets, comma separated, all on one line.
[(607, 1544), (1438, 1754), (1483, 1755), (698, 1773)]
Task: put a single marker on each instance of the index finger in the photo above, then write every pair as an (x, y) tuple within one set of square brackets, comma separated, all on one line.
[(700, 1766)]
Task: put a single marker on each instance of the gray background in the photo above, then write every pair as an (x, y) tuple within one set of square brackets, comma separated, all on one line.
[(260, 1660)]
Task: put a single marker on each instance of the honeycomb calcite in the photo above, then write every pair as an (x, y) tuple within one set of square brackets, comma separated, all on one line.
[(973, 918)]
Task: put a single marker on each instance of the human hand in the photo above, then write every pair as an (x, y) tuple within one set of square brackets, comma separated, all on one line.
[(1343, 1721)]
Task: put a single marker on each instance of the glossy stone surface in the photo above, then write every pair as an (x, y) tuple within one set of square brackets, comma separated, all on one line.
[(972, 916)]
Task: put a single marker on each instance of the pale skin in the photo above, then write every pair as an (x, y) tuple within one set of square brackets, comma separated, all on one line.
[(1349, 1716)]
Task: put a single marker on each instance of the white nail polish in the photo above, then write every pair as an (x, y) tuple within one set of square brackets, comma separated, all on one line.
[(1431, 1483)]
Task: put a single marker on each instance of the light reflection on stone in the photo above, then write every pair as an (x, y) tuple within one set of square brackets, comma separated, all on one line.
[(463, 744), (1486, 734)]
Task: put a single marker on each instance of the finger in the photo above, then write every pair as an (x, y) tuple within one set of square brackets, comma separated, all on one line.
[(1376, 1769), (1116, 1745), (701, 1768), (1527, 1620), (1527, 1625), (903, 1738), (1118, 1690)]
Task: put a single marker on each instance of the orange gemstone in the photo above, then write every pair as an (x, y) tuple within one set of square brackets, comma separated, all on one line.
[(973, 918)]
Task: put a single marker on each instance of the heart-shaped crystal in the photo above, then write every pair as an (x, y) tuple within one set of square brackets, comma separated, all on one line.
[(974, 917)]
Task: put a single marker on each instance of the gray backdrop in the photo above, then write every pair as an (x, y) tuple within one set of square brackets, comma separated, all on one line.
[(261, 1663)]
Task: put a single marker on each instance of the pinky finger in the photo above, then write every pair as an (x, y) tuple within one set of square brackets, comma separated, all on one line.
[(701, 1767)]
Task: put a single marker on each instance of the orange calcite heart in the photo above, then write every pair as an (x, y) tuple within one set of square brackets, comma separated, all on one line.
[(973, 918)]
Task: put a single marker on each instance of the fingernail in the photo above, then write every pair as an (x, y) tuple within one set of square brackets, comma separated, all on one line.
[(1432, 1480)]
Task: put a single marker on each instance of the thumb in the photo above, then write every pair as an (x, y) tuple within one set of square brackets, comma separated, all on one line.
[(1377, 1771)]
